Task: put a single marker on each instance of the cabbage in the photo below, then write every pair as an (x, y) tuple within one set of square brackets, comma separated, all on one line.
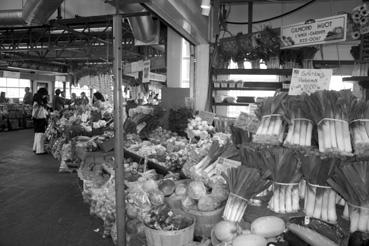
[(220, 192), (196, 189), (188, 203), (208, 203), (156, 197), (181, 189)]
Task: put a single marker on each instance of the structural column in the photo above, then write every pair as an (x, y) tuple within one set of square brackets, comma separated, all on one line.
[(118, 130)]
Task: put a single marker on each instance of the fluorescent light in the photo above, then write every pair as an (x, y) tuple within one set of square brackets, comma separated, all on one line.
[(205, 4)]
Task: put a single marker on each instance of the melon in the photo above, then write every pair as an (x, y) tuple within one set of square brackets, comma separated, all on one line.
[(225, 231), (268, 226), (249, 239)]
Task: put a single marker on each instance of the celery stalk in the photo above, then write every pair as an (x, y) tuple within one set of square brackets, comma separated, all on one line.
[(363, 219), (287, 141), (309, 133), (346, 136), (339, 136), (265, 125), (325, 197), (318, 205), (302, 189), (282, 199), (303, 132), (332, 134), (277, 125), (310, 203), (276, 199), (295, 199), (346, 212), (321, 141), (296, 132), (354, 220), (271, 126), (289, 208), (332, 215)]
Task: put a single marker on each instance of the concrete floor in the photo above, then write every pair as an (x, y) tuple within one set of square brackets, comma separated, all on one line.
[(38, 205)]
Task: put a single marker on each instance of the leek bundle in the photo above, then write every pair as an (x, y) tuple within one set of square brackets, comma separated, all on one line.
[(301, 127), (351, 181), (360, 127), (243, 183), (331, 112), (320, 199), (271, 129), (285, 168)]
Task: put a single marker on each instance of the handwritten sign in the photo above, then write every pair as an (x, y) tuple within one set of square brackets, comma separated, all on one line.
[(320, 31), (207, 116), (309, 80), (146, 72)]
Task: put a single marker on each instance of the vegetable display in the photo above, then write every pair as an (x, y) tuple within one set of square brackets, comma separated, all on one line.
[(271, 129), (244, 183), (351, 181), (285, 168), (320, 198), (331, 113), (301, 128), (359, 127)]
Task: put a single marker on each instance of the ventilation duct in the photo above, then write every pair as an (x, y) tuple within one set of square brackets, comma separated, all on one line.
[(34, 12), (144, 28), (37, 12)]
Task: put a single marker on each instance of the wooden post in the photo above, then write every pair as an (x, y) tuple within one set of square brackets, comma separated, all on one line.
[(250, 13), (118, 129)]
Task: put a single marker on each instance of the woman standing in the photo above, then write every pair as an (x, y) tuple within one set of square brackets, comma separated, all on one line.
[(39, 115)]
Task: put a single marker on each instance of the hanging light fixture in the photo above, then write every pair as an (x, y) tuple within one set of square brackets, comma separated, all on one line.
[(205, 4), (205, 7)]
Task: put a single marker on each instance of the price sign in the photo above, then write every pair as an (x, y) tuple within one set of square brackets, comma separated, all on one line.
[(228, 163), (309, 80), (207, 116)]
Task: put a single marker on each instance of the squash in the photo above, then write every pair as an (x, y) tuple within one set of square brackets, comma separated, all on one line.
[(268, 226), (249, 239)]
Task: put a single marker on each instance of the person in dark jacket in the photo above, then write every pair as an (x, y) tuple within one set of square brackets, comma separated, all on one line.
[(59, 101), (39, 115)]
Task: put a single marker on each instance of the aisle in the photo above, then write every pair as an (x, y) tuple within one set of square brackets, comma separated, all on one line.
[(38, 205)]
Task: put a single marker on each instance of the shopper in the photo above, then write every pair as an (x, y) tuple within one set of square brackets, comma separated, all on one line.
[(39, 115), (59, 101), (73, 98), (84, 99), (3, 99), (98, 100), (28, 97)]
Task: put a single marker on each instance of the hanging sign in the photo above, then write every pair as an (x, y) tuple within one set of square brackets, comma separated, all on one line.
[(60, 78), (207, 116), (146, 71), (133, 67), (9, 74), (309, 80), (157, 77), (320, 31)]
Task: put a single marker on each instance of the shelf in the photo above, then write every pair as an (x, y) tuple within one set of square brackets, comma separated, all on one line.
[(357, 78), (254, 71), (231, 104), (247, 89)]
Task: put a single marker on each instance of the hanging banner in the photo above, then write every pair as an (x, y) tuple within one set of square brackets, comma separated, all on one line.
[(146, 71), (309, 80), (320, 31), (157, 77), (60, 78), (9, 74)]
